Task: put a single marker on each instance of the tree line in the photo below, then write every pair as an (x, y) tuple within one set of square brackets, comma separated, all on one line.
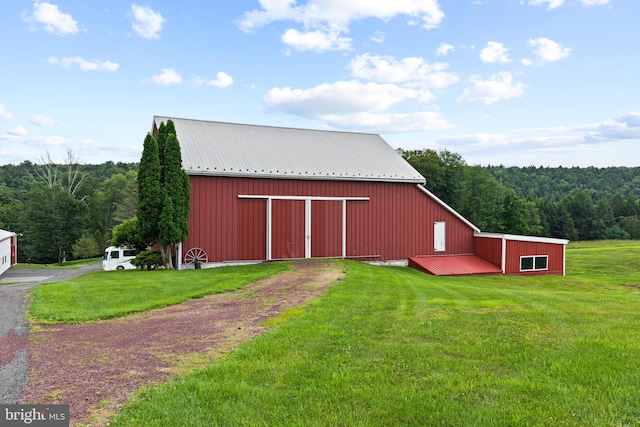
[(570, 203), (66, 210), (69, 210)]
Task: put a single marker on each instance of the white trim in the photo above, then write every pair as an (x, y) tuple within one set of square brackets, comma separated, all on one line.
[(307, 218), (305, 177), (344, 228), (534, 239), (534, 262), (447, 207), (307, 228), (503, 261), (268, 227), (264, 196)]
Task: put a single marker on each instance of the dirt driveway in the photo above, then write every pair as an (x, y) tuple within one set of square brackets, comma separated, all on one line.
[(14, 328), (94, 367)]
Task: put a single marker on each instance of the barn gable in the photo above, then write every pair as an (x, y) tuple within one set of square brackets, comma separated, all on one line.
[(266, 193)]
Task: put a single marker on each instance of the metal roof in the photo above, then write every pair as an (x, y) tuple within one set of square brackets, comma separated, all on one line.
[(4, 235), (230, 149), (454, 265), (533, 239)]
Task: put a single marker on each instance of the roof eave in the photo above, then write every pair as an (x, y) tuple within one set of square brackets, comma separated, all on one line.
[(197, 172), (449, 208), (515, 237)]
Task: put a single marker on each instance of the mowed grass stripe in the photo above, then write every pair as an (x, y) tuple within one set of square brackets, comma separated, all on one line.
[(391, 346), (109, 294)]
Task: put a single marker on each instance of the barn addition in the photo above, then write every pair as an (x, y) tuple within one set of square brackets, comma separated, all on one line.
[(261, 193)]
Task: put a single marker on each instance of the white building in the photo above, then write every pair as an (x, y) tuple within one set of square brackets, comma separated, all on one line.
[(8, 250)]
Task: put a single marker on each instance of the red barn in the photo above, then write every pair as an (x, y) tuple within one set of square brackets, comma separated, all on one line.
[(263, 193)]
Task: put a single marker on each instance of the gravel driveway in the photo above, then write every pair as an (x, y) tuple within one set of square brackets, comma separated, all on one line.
[(14, 328)]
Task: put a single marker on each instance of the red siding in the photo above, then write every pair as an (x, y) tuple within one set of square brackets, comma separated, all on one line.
[(395, 223), (326, 228), (517, 249), (252, 230), (288, 236), (489, 249), (14, 246)]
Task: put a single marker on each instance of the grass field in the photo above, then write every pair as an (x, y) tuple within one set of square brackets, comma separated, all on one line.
[(108, 294), (392, 346)]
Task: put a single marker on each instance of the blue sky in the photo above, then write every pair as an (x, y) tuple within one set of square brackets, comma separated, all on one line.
[(512, 82)]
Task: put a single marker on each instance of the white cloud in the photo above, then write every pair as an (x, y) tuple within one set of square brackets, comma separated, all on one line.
[(17, 131), (378, 37), (554, 4), (390, 123), (559, 139), (498, 87), (167, 77), (626, 127), (95, 65), (356, 105), (445, 49), (548, 50), (495, 52), (52, 19), (333, 17), (222, 80), (412, 70), (4, 114), (42, 120), (19, 135), (318, 41), (147, 23), (594, 2), (343, 97), (551, 4), (17, 146)]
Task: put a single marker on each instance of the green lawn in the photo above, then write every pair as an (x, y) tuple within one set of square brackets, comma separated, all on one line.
[(108, 294), (392, 346)]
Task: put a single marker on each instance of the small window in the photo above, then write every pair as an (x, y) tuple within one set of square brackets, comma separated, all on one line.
[(534, 263), (540, 263), (115, 254), (129, 252)]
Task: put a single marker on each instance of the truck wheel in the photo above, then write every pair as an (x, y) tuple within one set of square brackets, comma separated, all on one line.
[(119, 267)]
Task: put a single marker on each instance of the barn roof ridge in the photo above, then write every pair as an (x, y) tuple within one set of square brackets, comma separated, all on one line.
[(264, 126), (245, 150)]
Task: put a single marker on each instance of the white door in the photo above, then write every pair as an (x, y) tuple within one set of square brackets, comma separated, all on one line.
[(439, 236)]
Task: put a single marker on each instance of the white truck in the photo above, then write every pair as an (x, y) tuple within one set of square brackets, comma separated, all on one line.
[(116, 258)]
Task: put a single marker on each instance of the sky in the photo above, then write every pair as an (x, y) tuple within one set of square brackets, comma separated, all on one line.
[(500, 82)]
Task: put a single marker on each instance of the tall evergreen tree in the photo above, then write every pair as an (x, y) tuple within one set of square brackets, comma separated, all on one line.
[(174, 225), (162, 142), (149, 191), (164, 191)]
